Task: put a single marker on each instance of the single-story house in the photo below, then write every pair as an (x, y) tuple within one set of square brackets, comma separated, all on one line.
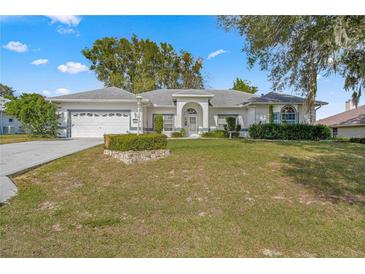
[(113, 110), (8, 124), (350, 123)]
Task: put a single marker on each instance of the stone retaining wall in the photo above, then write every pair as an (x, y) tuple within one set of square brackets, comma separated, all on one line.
[(130, 157)]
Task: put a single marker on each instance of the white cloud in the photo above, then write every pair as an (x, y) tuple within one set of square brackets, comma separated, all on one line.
[(69, 20), (63, 30), (59, 91), (16, 46), (216, 53), (63, 91), (72, 68), (40, 62)]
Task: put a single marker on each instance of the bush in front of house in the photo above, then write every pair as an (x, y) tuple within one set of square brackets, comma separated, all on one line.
[(37, 116), (358, 140), (158, 123), (178, 134), (214, 134), (125, 142), (289, 132), (231, 128)]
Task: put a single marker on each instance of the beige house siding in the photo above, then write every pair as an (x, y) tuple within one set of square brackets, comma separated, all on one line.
[(356, 132)]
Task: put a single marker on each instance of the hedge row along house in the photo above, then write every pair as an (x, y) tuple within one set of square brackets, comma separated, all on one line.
[(113, 110)]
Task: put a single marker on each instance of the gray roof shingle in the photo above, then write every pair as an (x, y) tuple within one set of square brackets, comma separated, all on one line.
[(274, 97), (164, 97), (110, 93), (221, 97)]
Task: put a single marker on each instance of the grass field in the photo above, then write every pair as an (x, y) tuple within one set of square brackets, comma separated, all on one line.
[(210, 198), (18, 138)]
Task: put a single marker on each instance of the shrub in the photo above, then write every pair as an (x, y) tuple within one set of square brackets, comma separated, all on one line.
[(289, 132), (158, 123), (178, 134), (214, 134), (125, 142), (37, 116), (358, 140), (231, 124), (340, 139)]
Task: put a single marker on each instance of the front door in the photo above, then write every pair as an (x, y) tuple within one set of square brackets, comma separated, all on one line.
[(192, 126)]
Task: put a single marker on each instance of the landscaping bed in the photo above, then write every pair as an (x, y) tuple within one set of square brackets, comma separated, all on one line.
[(132, 148)]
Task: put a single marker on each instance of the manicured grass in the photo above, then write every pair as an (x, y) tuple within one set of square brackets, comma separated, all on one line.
[(210, 198), (17, 138)]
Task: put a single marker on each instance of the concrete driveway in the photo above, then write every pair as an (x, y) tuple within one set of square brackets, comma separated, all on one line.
[(18, 157)]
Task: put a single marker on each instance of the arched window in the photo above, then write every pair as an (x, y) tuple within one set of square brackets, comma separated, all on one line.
[(288, 115), (191, 111)]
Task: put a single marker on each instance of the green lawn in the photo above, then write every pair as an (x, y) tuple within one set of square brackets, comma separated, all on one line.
[(17, 138), (210, 198)]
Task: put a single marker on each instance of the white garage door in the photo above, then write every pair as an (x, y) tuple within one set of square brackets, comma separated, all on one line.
[(98, 123)]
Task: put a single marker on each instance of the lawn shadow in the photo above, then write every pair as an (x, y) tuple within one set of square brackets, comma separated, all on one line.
[(334, 176)]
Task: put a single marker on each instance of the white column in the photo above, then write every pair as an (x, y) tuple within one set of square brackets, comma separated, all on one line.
[(205, 107), (179, 113)]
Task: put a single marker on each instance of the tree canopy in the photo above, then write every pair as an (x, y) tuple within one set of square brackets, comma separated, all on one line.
[(7, 92), (36, 115), (297, 49), (141, 65), (243, 85)]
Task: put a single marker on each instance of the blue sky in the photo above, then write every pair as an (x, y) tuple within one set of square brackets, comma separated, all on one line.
[(54, 46)]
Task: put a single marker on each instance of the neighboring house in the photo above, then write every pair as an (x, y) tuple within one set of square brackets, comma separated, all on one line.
[(8, 124), (113, 110), (350, 123)]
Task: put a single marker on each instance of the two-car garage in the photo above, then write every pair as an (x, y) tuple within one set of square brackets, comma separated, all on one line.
[(97, 123)]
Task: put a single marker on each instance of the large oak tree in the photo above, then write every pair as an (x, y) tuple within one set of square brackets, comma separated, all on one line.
[(140, 65), (297, 49)]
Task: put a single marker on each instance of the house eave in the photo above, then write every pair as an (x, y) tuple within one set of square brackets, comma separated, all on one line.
[(193, 95), (95, 100), (339, 126), (282, 103)]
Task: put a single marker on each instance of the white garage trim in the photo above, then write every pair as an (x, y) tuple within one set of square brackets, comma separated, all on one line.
[(87, 112)]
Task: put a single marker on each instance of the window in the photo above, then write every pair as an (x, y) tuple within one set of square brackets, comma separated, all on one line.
[(10, 120), (288, 115), (222, 120), (334, 132), (191, 111), (276, 117), (168, 121)]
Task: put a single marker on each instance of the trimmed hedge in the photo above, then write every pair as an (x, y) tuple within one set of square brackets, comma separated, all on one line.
[(214, 134), (358, 140), (178, 134), (125, 142), (289, 132)]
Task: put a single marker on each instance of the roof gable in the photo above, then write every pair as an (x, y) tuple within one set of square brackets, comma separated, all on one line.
[(109, 93), (275, 97)]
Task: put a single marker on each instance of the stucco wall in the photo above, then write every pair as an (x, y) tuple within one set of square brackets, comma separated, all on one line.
[(150, 111), (351, 131), (214, 112)]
